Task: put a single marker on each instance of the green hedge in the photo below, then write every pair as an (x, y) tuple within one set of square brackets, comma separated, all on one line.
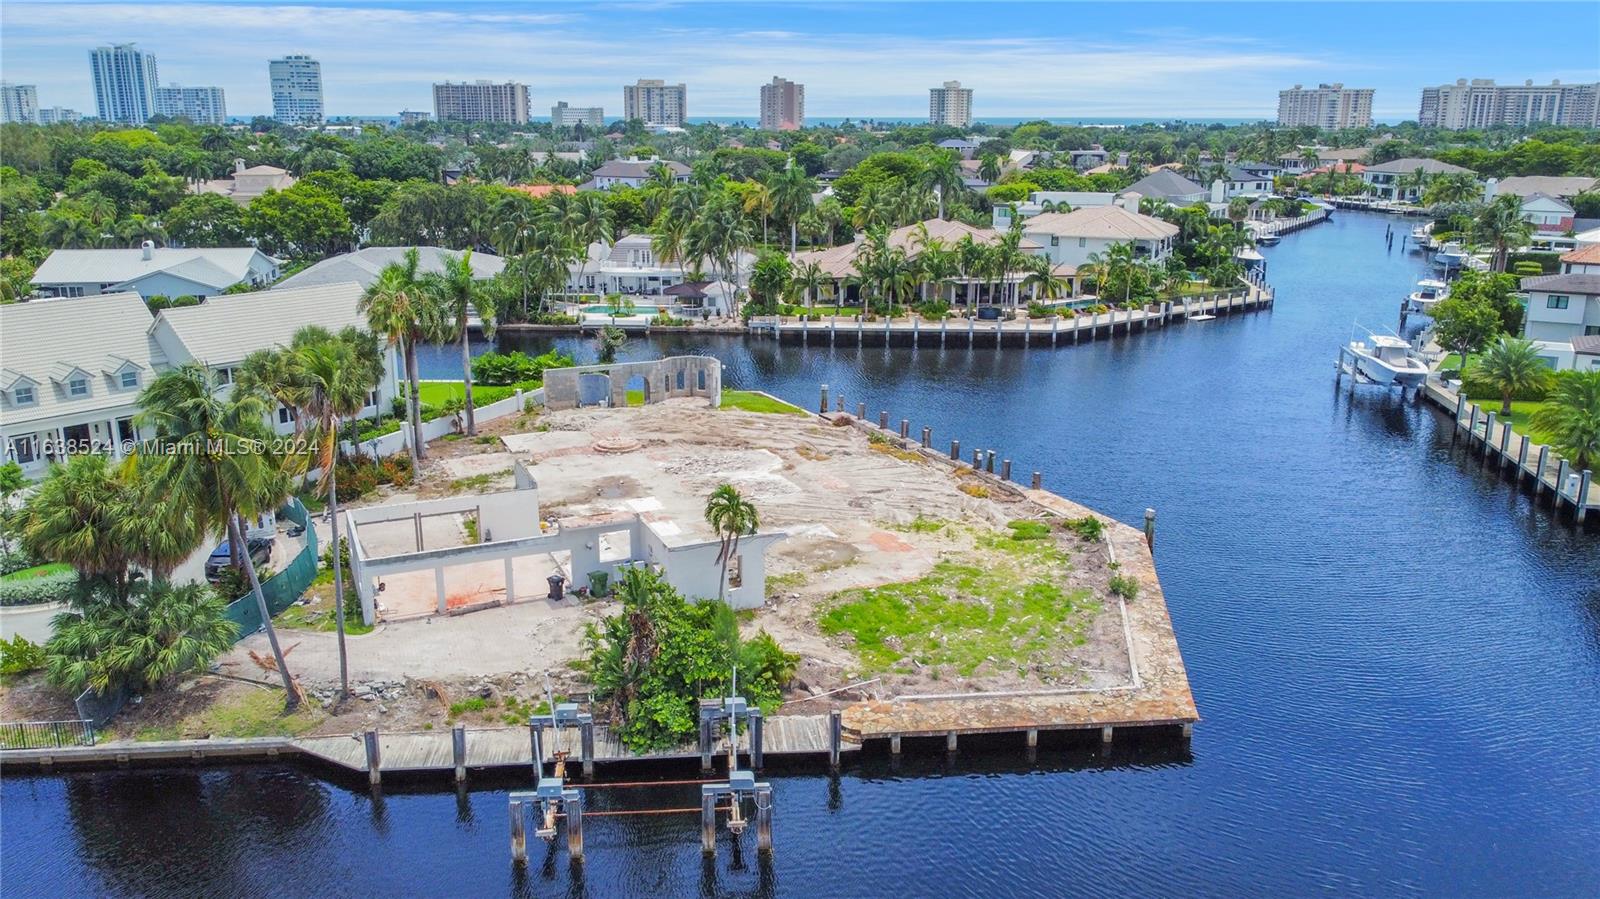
[(36, 590)]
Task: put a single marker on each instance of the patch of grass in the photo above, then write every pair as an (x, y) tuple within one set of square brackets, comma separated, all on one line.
[(921, 525), (321, 618), (1521, 419), (1005, 607), (883, 443), (452, 437), (783, 583), (635, 397), (44, 570), (476, 481), (1124, 586), (438, 393), (1028, 529), (750, 401), (258, 713), (470, 525), (811, 453), (475, 704), (1088, 528), (485, 439)]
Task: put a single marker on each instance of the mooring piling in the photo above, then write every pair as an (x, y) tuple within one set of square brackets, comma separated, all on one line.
[(835, 732), (1150, 529), (374, 758), (823, 407), (458, 750), (519, 833)]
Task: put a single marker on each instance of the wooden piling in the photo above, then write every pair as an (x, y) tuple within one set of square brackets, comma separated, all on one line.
[(927, 438), (572, 805), (883, 419), (1038, 479), (1150, 529), (955, 451), (823, 407), (458, 750), (757, 727), (586, 747), (764, 818), (1005, 469), (835, 732), (374, 758), (519, 834), (708, 820), (950, 741)]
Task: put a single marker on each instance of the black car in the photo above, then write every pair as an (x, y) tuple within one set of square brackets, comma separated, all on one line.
[(222, 556)]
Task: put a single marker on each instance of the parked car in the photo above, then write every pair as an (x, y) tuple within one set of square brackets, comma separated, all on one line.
[(222, 556)]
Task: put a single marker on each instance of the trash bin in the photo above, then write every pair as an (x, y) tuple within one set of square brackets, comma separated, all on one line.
[(556, 581), (598, 581)]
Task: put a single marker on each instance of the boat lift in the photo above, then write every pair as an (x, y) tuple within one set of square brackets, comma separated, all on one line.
[(741, 786), (551, 798)]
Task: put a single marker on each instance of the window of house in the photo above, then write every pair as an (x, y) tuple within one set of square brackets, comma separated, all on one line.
[(285, 415), (1083, 241), (22, 396), (129, 380), (1556, 302), (1055, 241), (23, 450), (1591, 330), (735, 572), (224, 376), (78, 387), (372, 398)]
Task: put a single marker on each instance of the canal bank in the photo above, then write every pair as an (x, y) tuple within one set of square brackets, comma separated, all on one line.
[(1398, 660)]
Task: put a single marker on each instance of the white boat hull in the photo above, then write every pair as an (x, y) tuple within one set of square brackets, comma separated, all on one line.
[(1380, 373)]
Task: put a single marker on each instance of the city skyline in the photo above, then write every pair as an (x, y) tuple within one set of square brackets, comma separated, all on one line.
[(1153, 60)]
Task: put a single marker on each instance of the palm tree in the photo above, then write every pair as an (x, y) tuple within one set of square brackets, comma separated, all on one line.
[(399, 307), (217, 465), (942, 175), (1445, 190), (585, 220), (149, 643), (809, 280), (1309, 158), (791, 192), (731, 516), (989, 168), (337, 371), (1414, 182), (1116, 264), (936, 265), (1571, 416), (456, 292), (1511, 366), (758, 201), (1502, 226), (1042, 280), (271, 374)]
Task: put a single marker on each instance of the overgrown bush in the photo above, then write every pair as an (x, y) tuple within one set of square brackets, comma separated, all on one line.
[(552, 318), (1088, 528), (934, 310), (1124, 586), (161, 633), (653, 662), (359, 475), (663, 320), (59, 587), (505, 369), (19, 655)]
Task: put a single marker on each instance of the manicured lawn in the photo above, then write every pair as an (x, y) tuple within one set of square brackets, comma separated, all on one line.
[(750, 401), (44, 570), (437, 393), (1521, 417)]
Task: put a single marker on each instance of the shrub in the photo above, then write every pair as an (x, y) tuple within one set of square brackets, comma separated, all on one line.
[(59, 587), (934, 310), (552, 318), (504, 369), (1124, 586), (1088, 528), (166, 632), (663, 320), (1040, 310), (19, 655)]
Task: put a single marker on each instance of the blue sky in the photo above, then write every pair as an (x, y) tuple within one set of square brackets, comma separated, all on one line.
[(1022, 59)]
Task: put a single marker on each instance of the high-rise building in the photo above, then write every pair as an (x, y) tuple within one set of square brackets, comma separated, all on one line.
[(201, 105), (124, 83), (1480, 103), (296, 89), (950, 105), (414, 117), (656, 102), (564, 116), (55, 115), (481, 101), (783, 105), (19, 103), (1329, 106)]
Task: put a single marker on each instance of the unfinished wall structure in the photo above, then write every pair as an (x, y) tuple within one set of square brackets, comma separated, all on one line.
[(607, 385)]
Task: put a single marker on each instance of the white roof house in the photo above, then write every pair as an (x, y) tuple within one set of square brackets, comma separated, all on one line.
[(222, 331), (631, 266), (363, 266), (632, 172), (151, 270), (70, 375), (248, 183), (1070, 238)]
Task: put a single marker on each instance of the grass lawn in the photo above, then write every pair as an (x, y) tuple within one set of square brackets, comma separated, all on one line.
[(44, 570), (1005, 602), (750, 401), (437, 393), (257, 713), (1521, 417)]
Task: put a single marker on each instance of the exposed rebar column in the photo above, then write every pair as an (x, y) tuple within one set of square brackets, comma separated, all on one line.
[(458, 750)]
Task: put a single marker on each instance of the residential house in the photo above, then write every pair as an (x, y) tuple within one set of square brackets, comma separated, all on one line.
[(1168, 185), (70, 377), (966, 147), (248, 183), (222, 331), (1548, 214), (1582, 261), (631, 267), (632, 172), (1241, 182), (1385, 180), (1563, 318), (1088, 159), (839, 263), (1564, 187), (363, 266), (1048, 201), (150, 270), (1071, 238)]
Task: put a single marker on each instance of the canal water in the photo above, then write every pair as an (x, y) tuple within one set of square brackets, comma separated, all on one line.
[(1397, 659)]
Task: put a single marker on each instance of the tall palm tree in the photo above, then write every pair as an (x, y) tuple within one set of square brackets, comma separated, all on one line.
[(456, 292), (1449, 189), (1502, 226), (942, 175), (791, 191), (936, 265), (989, 168), (218, 465), (1571, 415), (731, 516), (585, 220), (1511, 366), (337, 373), (399, 306), (1042, 280), (271, 374), (809, 280), (1309, 158), (758, 201)]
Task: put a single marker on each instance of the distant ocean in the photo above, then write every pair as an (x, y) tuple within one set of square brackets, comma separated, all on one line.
[(1113, 121)]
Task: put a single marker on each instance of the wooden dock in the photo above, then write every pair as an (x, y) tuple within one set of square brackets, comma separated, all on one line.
[(1061, 330), (1531, 464)]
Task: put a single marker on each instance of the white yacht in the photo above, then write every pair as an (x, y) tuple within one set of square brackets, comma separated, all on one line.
[(1386, 359), (1268, 238), (1421, 237), (1428, 293), (1451, 257)]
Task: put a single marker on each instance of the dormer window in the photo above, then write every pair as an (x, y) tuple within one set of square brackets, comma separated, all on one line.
[(128, 380), (22, 395), (78, 387)]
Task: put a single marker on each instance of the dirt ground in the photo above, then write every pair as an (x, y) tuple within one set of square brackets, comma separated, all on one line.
[(851, 510)]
